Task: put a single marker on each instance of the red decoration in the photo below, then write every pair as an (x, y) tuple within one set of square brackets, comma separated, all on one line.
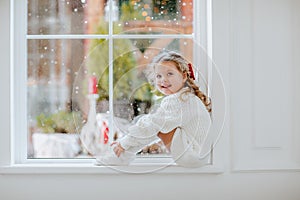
[(192, 75), (93, 85), (105, 132)]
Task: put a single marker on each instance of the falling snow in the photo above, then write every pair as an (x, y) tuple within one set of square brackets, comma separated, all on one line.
[(46, 57)]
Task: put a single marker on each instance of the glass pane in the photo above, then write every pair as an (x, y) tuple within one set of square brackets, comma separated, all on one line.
[(130, 16), (133, 95), (65, 16), (153, 17), (59, 72)]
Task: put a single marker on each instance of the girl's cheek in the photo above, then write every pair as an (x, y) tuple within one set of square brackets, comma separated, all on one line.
[(156, 83)]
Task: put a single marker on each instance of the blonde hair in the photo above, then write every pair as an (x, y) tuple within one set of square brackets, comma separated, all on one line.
[(183, 66)]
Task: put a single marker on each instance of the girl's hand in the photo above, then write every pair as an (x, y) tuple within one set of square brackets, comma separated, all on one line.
[(118, 149)]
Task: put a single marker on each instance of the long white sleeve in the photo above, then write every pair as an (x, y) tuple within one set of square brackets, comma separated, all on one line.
[(167, 117)]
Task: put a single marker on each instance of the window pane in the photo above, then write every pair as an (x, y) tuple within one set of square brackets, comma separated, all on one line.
[(154, 16), (50, 17), (60, 70), (130, 16), (58, 73)]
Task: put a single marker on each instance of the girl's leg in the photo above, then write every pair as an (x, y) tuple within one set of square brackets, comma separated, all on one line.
[(166, 138)]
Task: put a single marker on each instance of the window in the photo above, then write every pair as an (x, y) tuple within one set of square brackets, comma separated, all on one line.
[(67, 42)]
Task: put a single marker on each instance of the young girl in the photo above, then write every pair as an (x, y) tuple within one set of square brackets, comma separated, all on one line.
[(182, 120)]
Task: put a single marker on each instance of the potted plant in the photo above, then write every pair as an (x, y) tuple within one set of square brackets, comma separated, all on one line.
[(57, 135)]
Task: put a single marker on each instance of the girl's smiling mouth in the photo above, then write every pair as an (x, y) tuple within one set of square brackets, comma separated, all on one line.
[(165, 86)]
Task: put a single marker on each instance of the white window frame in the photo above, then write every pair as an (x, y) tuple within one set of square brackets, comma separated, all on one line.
[(15, 157)]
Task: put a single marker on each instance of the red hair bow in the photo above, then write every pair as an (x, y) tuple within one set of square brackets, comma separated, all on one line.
[(192, 76)]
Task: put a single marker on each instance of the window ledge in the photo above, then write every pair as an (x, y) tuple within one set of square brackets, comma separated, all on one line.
[(88, 167), (92, 169)]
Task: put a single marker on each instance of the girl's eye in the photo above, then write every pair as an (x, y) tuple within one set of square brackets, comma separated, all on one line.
[(158, 76), (170, 74)]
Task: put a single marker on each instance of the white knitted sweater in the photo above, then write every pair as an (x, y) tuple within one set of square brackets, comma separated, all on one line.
[(182, 110)]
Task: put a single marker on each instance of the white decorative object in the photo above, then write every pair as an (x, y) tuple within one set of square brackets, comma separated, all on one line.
[(55, 145), (94, 137)]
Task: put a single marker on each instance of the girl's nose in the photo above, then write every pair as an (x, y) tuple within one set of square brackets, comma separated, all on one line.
[(164, 79)]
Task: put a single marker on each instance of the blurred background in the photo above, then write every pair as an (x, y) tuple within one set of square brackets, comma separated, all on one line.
[(69, 41)]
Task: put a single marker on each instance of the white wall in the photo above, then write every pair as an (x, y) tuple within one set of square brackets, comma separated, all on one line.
[(237, 186), (264, 80), (231, 20)]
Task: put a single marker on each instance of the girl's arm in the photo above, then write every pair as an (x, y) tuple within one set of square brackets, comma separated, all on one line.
[(165, 119)]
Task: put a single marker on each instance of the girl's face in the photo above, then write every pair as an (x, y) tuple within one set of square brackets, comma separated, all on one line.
[(168, 79)]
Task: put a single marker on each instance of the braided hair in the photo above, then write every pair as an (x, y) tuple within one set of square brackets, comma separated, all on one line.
[(183, 66)]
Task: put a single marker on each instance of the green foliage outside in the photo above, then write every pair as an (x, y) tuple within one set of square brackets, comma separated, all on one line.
[(60, 122), (127, 84), (131, 12)]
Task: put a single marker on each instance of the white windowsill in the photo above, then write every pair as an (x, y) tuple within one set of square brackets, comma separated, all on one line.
[(139, 166), (92, 169)]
